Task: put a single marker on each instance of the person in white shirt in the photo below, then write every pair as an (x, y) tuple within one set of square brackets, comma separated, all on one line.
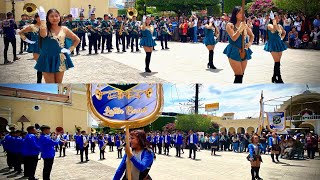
[(287, 26), (315, 37), (195, 28), (298, 24)]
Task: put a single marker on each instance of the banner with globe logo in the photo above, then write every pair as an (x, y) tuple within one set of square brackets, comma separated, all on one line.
[(276, 121)]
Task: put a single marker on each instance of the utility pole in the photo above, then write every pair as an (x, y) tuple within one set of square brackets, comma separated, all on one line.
[(13, 9), (196, 102)]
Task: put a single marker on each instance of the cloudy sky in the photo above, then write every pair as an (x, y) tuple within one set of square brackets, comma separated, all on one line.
[(243, 100)]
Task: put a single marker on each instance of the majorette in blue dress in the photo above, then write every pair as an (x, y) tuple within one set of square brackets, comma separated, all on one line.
[(147, 39), (209, 37), (275, 43), (51, 59)]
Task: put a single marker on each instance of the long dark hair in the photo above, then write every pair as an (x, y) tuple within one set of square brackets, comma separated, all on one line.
[(35, 18), (235, 11), (49, 24)]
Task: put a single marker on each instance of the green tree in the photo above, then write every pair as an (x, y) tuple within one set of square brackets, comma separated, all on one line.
[(182, 7), (195, 122), (308, 7), (230, 4)]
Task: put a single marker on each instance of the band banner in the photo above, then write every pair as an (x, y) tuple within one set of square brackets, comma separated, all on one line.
[(276, 121), (117, 105)]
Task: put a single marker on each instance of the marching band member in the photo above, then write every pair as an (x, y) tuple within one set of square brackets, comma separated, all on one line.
[(134, 35), (75, 137), (214, 143), (147, 41), (9, 26), (33, 46), (159, 143), (17, 151), (62, 145), (70, 24), (67, 138), (81, 33), (31, 151), (93, 33), (274, 145), (210, 32), (47, 144), (106, 28), (83, 145), (119, 145), (164, 33), (192, 141), (255, 157), (119, 26), (110, 142), (22, 23), (54, 58), (8, 145), (140, 156), (99, 35), (92, 140), (127, 30), (154, 142), (101, 143), (167, 140), (178, 143), (235, 28), (275, 45)]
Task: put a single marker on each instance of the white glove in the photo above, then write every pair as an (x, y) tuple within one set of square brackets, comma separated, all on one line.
[(42, 13), (153, 37), (271, 15), (144, 18), (211, 20), (29, 41), (64, 50)]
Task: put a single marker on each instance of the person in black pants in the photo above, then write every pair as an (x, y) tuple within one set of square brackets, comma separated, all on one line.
[(83, 145), (62, 146), (192, 141), (93, 34), (256, 25), (106, 33), (9, 27), (47, 150), (118, 25), (81, 33), (134, 33), (31, 152)]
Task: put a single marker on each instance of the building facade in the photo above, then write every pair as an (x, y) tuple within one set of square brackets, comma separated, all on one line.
[(63, 6), (305, 116), (66, 109)]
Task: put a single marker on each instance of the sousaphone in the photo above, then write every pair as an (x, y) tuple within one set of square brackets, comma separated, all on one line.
[(30, 9), (131, 12)]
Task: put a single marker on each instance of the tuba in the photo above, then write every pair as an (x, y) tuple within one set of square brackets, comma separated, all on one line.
[(131, 11), (11, 127), (93, 131), (30, 9)]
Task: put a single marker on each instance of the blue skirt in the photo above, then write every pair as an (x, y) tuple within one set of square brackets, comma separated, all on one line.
[(33, 48), (209, 41), (275, 46), (68, 43), (148, 42), (233, 53), (53, 64)]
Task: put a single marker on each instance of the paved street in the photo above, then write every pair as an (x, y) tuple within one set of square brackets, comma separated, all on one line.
[(228, 165), (183, 63)]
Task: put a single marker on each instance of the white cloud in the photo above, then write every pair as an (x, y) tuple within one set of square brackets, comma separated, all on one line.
[(243, 100)]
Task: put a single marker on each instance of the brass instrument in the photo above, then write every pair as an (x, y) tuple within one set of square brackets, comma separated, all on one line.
[(131, 11), (78, 128), (121, 29), (93, 131), (104, 146), (11, 127), (30, 9)]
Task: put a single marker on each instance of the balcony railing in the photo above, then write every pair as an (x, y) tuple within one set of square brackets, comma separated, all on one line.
[(298, 117)]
